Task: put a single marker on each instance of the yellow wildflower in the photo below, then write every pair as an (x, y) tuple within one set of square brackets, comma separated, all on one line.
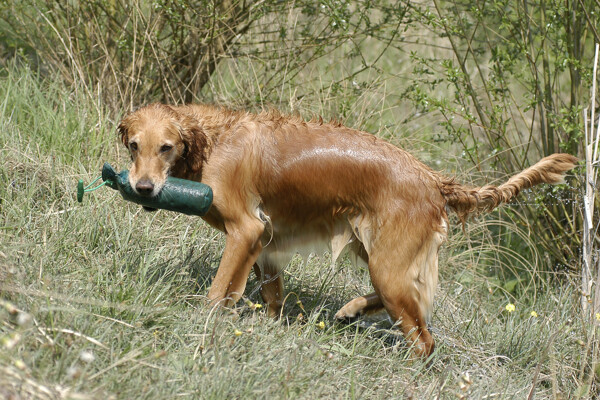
[(598, 316), (534, 314), (237, 332), (321, 325), (254, 306), (510, 307)]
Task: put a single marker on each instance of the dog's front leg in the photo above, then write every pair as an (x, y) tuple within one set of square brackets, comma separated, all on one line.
[(242, 248)]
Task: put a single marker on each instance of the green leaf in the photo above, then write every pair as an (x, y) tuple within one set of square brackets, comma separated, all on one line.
[(511, 285)]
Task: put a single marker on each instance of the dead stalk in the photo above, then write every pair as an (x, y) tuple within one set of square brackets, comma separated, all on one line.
[(591, 166)]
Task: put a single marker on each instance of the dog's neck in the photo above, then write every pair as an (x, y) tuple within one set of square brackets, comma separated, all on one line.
[(213, 121)]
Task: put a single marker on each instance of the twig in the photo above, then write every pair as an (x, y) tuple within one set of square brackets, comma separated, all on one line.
[(129, 357), (71, 332), (539, 366)]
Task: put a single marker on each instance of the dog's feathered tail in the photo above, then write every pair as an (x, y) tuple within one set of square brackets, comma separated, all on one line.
[(465, 200)]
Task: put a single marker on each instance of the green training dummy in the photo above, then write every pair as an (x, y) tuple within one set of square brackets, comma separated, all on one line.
[(180, 195)]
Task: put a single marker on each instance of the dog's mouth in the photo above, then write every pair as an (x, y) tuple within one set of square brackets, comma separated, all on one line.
[(147, 187), (148, 190)]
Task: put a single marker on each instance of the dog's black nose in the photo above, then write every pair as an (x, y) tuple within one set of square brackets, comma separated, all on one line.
[(144, 187)]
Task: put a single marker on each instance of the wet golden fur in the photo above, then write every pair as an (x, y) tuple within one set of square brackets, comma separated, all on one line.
[(282, 185)]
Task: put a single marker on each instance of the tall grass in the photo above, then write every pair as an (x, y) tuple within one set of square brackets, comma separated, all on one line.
[(102, 300)]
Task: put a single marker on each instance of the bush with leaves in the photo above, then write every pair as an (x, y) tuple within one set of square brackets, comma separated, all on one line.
[(517, 72), (134, 52)]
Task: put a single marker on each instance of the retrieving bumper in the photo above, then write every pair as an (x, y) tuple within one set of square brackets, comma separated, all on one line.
[(180, 195)]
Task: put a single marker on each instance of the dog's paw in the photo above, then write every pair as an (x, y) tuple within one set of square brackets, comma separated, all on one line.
[(149, 209), (345, 314)]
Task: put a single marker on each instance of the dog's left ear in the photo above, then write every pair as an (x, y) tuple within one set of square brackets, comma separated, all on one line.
[(123, 130), (195, 142)]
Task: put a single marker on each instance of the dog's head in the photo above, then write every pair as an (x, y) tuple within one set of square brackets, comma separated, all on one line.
[(162, 141)]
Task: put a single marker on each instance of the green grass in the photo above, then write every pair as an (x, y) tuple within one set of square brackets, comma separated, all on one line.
[(102, 300)]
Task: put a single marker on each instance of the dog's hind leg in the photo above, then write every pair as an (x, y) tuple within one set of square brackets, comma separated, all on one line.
[(401, 299), (268, 269), (403, 265), (361, 304)]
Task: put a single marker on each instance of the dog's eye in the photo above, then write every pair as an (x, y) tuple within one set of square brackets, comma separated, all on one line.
[(133, 146), (165, 148)]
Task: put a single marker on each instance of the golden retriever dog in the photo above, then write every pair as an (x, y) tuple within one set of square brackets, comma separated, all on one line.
[(282, 184)]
